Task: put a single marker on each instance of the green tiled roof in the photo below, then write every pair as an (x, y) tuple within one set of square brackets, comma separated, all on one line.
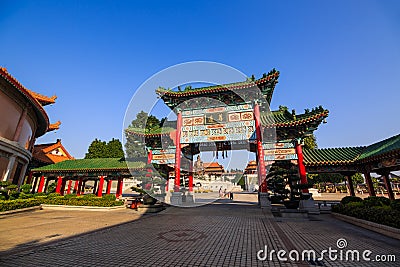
[(350, 155), (283, 118), (90, 165), (391, 144), (218, 88), (332, 156)]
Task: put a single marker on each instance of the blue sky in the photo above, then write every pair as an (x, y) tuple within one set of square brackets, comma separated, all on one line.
[(343, 55)]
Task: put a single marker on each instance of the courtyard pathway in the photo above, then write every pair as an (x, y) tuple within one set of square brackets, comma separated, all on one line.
[(225, 233)]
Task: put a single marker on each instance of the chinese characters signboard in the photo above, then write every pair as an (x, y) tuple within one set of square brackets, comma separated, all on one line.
[(228, 123), (163, 156), (279, 151)]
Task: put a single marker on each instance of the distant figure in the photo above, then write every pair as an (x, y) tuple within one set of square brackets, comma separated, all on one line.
[(220, 192), (231, 195), (225, 192)]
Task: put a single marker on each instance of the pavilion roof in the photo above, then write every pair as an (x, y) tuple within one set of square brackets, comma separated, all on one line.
[(381, 149), (332, 156), (283, 118), (91, 165), (353, 155), (266, 84)]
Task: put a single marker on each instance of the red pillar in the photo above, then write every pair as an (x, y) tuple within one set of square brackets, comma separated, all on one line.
[(64, 181), (109, 183), (69, 187), (59, 183), (191, 175), (178, 152), (302, 168), (388, 186), (29, 180), (119, 188), (41, 184), (78, 192), (260, 151), (370, 185), (149, 158), (100, 190)]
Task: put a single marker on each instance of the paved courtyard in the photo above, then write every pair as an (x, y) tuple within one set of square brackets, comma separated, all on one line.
[(225, 233)]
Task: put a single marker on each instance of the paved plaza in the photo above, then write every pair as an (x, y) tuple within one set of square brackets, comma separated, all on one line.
[(226, 233)]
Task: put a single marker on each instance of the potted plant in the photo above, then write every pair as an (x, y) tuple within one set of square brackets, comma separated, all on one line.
[(285, 185)]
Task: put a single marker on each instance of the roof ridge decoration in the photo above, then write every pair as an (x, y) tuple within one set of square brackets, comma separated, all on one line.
[(54, 126), (43, 100), (38, 97), (24, 91), (266, 85)]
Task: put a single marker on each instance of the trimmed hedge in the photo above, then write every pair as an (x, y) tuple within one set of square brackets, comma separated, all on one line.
[(81, 201), (29, 200), (374, 209), (6, 205)]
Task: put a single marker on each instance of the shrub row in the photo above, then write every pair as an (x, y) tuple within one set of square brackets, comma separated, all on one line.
[(375, 209), (81, 201), (29, 200), (6, 205)]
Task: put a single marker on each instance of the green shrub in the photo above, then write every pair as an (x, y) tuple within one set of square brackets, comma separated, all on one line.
[(13, 194), (350, 199), (18, 204), (26, 188), (53, 195), (376, 201), (380, 213), (78, 201), (109, 197), (355, 205), (23, 195), (70, 196), (52, 188), (89, 196), (4, 184), (12, 187), (395, 204), (39, 194)]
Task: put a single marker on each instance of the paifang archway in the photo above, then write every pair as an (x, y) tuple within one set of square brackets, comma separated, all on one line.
[(227, 117)]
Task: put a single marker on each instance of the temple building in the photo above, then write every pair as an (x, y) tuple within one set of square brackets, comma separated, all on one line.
[(23, 119), (221, 118), (45, 154)]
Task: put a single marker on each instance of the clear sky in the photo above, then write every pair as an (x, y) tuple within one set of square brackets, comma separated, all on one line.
[(343, 55)]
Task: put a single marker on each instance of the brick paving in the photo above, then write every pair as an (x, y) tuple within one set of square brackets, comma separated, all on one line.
[(222, 234)]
